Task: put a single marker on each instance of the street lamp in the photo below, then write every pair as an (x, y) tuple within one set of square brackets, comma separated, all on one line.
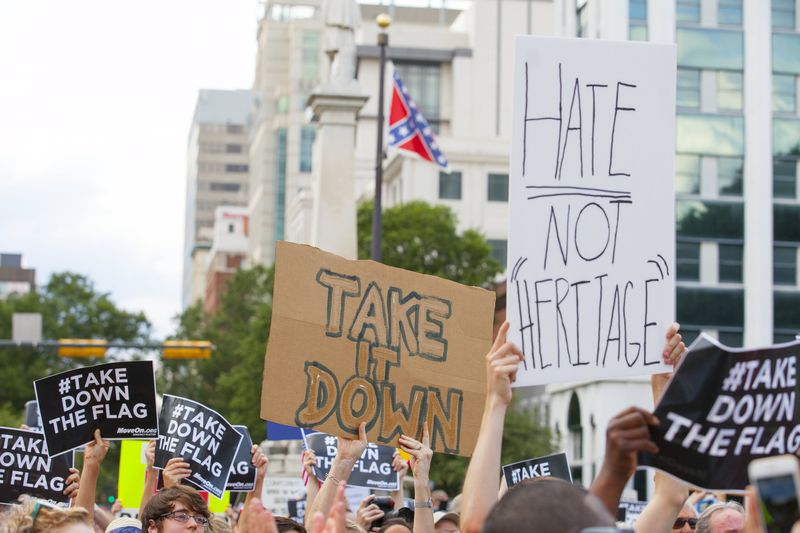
[(383, 21)]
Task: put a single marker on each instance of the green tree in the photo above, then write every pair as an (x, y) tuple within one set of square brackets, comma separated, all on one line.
[(71, 307), (421, 237), (230, 380)]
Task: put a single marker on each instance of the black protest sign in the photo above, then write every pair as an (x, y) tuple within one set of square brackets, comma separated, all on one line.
[(243, 473), (26, 468), (372, 471), (555, 465), (202, 437), (117, 398), (724, 408), (33, 419), (297, 510), (629, 511)]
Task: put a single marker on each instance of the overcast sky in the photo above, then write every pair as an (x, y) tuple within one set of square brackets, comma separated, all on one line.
[(96, 100)]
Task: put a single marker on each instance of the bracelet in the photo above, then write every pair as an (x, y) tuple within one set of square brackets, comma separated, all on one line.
[(427, 504), (331, 477)]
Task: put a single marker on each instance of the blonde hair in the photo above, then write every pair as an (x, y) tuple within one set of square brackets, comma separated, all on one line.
[(30, 516)]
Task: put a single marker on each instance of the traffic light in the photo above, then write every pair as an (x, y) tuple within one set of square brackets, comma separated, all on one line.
[(181, 349), (82, 347)]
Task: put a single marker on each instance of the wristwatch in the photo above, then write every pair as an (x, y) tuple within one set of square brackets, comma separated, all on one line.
[(426, 504)]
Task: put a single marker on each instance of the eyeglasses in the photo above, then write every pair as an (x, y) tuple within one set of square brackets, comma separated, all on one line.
[(183, 517), (679, 522)]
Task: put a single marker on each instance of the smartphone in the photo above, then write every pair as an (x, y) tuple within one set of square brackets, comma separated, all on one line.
[(777, 480)]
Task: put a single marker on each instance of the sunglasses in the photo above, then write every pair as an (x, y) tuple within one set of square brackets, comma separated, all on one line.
[(679, 522)]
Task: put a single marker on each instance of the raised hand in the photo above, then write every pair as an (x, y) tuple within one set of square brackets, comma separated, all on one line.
[(176, 470), (420, 452), (368, 512), (502, 362)]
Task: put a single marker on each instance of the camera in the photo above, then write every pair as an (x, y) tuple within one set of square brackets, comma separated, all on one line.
[(386, 505)]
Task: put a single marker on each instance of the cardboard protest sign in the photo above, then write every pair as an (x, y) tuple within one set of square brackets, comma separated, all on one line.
[(243, 473), (27, 468), (723, 408), (555, 465), (629, 511), (33, 418), (373, 470), (117, 398), (357, 341), (592, 226), (202, 437)]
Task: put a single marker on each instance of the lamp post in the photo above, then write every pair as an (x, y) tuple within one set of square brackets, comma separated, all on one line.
[(383, 22)]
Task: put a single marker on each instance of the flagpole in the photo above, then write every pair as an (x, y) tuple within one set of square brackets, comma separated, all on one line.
[(383, 22)]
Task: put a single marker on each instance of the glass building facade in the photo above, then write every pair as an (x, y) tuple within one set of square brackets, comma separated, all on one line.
[(711, 153)]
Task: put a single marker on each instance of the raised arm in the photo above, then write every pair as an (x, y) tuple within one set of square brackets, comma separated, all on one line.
[(261, 463), (350, 451), (92, 459), (670, 493), (400, 466), (421, 455), (150, 475), (479, 495), (312, 487)]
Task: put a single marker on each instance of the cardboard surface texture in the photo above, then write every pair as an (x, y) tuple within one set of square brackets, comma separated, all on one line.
[(354, 341)]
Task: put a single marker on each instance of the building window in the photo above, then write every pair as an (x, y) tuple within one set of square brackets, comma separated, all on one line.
[(729, 90), (783, 14), (307, 136), (575, 437), (225, 187), (730, 176), (687, 10), (786, 53), (231, 167), (784, 93), (687, 174), (498, 187), (784, 260), (688, 260), (282, 105), (234, 128), (422, 80), (730, 263), (310, 56), (730, 338), (712, 49), (450, 186), (710, 134), (784, 177), (786, 136), (730, 12), (233, 148), (280, 193), (499, 250), (637, 14), (688, 94), (211, 148)]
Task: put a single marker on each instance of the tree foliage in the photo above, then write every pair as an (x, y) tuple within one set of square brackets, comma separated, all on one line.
[(423, 238), (229, 381), (71, 307)]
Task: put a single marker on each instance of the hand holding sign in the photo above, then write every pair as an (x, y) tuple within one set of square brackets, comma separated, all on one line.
[(420, 452), (502, 362), (176, 470), (350, 450), (72, 484), (627, 433)]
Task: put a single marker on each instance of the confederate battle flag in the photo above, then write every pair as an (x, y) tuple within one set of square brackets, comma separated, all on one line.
[(408, 129)]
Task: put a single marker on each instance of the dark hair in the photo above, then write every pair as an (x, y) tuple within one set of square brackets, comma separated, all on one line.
[(554, 505), (287, 524), (164, 502), (395, 522)]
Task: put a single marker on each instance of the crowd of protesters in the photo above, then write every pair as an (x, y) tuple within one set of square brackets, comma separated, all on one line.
[(545, 505)]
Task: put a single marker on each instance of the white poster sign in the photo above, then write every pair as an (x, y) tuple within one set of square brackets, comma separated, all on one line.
[(591, 278)]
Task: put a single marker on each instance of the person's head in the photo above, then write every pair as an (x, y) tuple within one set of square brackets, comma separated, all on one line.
[(554, 505), (686, 521), (220, 525), (396, 525), (444, 522), (287, 525), (124, 525), (33, 517), (175, 509), (725, 517)]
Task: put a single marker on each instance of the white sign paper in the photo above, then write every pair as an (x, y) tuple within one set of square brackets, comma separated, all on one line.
[(591, 279)]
